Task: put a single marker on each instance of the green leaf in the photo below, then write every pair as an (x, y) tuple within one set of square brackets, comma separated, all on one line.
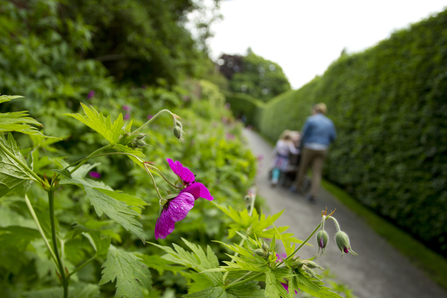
[(136, 203), (273, 288), (18, 121), (197, 260), (307, 285), (79, 290), (158, 263), (99, 241), (248, 290), (102, 125), (128, 271), (16, 237), (106, 203), (13, 168)]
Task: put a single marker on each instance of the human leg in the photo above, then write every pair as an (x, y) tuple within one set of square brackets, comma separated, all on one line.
[(317, 169), (304, 166)]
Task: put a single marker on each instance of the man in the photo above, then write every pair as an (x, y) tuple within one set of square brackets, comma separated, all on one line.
[(317, 134)]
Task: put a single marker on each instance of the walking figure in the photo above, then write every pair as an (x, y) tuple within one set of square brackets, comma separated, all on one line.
[(282, 150), (317, 134)]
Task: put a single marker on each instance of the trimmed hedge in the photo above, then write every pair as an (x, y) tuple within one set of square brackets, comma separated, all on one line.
[(389, 105), (243, 104)]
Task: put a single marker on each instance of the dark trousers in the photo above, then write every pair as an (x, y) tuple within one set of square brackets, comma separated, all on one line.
[(314, 159)]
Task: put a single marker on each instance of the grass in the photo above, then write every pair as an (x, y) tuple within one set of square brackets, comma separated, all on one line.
[(434, 265)]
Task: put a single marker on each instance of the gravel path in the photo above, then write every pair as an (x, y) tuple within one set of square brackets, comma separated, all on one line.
[(378, 271)]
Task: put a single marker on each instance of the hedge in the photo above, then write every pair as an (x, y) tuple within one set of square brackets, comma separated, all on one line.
[(243, 104), (389, 105)]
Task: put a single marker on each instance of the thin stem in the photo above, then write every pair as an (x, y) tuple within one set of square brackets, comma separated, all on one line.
[(244, 281), (81, 266), (36, 220), (54, 238), (153, 181), (150, 120), (337, 226), (302, 244), (82, 161), (161, 174)]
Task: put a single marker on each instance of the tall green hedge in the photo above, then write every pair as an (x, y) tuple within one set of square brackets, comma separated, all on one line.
[(389, 105), (243, 104)]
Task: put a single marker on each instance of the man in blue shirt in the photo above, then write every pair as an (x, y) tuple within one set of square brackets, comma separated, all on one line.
[(317, 134)]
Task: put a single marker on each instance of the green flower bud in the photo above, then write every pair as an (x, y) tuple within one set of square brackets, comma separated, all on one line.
[(141, 136), (311, 264), (322, 240), (140, 143), (342, 240), (177, 131), (178, 124), (265, 246), (259, 252)]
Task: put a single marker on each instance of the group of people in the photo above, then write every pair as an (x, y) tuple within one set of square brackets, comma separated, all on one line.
[(309, 147)]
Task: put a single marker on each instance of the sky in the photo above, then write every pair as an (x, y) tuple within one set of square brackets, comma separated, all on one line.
[(305, 37)]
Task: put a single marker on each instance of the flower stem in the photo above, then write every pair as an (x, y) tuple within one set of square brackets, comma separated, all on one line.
[(82, 161), (36, 220), (302, 244), (81, 266), (150, 120), (337, 226), (243, 281), (64, 279), (153, 181), (161, 174)]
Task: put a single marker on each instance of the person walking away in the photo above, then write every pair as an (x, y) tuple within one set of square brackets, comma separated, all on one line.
[(317, 134), (282, 149)]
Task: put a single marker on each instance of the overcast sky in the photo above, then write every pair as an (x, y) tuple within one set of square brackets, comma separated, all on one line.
[(305, 37)]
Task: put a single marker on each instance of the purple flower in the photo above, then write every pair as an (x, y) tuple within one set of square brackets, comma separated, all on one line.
[(149, 117), (95, 175), (126, 108), (186, 98), (90, 94), (127, 116), (229, 136), (176, 209)]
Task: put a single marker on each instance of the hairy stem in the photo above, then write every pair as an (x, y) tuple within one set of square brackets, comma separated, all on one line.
[(64, 279), (337, 226), (153, 181), (302, 244), (150, 120), (82, 161), (36, 220), (81, 266), (161, 174)]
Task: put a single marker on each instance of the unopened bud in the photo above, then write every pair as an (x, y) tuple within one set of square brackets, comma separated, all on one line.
[(177, 131), (178, 124), (322, 240), (140, 143), (265, 246), (141, 136), (311, 264), (342, 240), (259, 252)]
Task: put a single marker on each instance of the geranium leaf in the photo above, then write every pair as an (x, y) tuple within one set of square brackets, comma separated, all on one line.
[(248, 290), (111, 131), (13, 168), (18, 121), (128, 271)]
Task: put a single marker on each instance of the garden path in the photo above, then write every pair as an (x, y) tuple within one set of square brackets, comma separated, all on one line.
[(379, 271)]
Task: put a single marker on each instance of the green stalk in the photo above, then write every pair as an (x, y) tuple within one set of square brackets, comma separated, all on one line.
[(302, 244), (81, 266), (244, 281), (82, 161), (36, 220), (337, 226), (150, 120), (64, 279)]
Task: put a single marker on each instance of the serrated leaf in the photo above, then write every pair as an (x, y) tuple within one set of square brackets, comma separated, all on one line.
[(248, 290), (13, 168), (104, 203), (63, 172), (78, 291), (134, 202), (158, 263), (197, 260), (18, 121), (273, 288), (307, 285), (128, 271), (16, 237), (101, 124)]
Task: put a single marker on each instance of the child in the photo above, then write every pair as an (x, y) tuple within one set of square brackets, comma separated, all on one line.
[(283, 148)]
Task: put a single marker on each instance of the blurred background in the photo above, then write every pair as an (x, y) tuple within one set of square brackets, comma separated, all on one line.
[(380, 67)]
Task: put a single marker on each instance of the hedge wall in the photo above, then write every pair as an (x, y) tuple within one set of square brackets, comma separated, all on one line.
[(242, 104), (389, 105)]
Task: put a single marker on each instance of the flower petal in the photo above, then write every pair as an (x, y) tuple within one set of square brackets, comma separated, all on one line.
[(198, 190), (164, 226), (183, 172), (179, 207)]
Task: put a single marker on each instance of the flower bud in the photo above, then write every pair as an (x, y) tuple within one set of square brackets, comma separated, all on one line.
[(140, 143), (311, 264), (177, 131), (178, 124), (342, 240), (322, 240), (259, 252), (265, 246), (141, 136)]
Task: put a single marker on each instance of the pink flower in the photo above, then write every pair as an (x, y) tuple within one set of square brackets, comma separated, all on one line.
[(176, 209), (149, 117), (95, 175), (90, 94), (126, 108), (127, 116), (229, 136)]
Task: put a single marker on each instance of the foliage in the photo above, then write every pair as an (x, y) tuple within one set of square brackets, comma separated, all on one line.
[(259, 78), (388, 107), (245, 105)]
